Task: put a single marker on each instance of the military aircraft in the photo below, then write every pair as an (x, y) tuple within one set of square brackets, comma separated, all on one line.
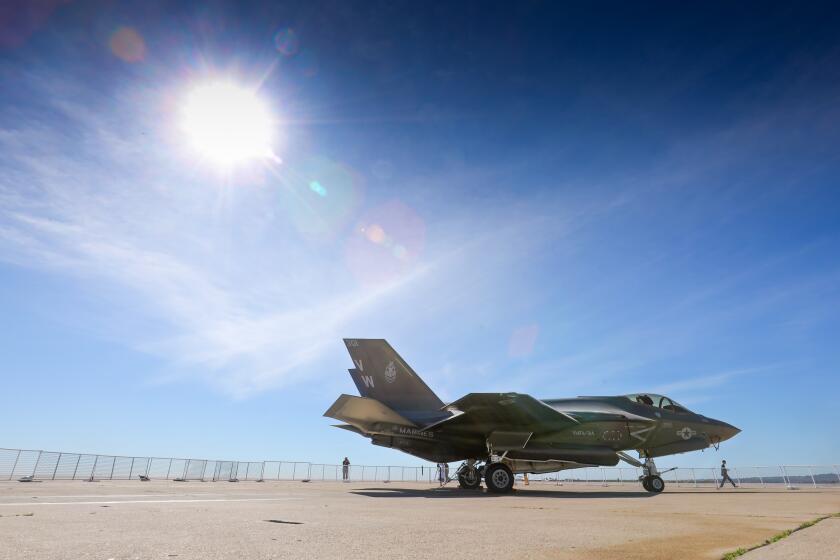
[(497, 435)]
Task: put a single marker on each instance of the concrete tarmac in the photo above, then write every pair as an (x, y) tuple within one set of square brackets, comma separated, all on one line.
[(212, 520)]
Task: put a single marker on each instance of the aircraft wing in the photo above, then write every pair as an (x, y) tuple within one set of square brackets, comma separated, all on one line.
[(505, 410)]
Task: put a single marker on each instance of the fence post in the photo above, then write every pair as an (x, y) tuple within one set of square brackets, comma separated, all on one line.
[(93, 470), (262, 470), (38, 460), (55, 470), (811, 472), (294, 469), (784, 476), (169, 468), (14, 466), (79, 460), (837, 472), (131, 470), (694, 476)]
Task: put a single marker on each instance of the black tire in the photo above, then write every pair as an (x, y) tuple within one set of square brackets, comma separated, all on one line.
[(498, 478), (655, 484), (646, 484), (469, 479)]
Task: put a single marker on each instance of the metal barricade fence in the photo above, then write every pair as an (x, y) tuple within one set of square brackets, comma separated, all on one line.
[(55, 465)]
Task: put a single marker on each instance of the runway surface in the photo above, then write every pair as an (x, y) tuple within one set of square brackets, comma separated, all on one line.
[(209, 520)]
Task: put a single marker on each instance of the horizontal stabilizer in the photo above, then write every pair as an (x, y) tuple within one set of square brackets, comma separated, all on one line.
[(349, 428), (363, 413)]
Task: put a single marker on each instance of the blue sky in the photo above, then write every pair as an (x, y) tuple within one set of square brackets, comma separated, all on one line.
[(557, 200)]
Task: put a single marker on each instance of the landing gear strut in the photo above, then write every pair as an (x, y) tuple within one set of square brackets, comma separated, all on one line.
[(651, 481), (468, 476)]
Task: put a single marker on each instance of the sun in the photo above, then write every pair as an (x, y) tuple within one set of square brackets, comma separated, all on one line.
[(227, 124)]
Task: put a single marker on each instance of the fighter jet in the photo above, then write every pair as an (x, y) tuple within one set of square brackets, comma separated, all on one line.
[(498, 435)]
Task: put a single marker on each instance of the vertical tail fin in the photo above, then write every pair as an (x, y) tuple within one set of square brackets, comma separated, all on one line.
[(380, 373)]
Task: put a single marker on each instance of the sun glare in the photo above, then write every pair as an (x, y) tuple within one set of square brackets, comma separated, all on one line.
[(227, 124)]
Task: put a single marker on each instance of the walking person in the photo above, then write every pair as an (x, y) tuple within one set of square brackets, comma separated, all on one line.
[(345, 470), (724, 475)]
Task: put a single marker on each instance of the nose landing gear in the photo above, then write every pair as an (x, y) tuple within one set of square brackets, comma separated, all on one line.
[(651, 481)]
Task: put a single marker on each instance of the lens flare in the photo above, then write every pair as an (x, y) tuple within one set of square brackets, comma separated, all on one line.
[(227, 124), (317, 188), (286, 41), (128, 45), (389, 241)]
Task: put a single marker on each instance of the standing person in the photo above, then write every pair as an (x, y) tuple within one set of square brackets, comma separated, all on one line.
[(724, 475), (440, 473), (345, 469)]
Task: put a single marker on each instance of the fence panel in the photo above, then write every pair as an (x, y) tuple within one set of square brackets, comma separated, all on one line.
[(177, 469), (158, 467), (194, 469), (65, 468), (84, 468), (272, 470), (226, 470), (54, 465)]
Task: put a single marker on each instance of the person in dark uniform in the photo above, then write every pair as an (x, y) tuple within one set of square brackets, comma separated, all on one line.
[(345, 469), (724, 475)]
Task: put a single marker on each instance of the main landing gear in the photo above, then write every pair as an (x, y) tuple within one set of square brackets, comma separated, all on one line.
[(469, 477), (497, 477), (651, 481)]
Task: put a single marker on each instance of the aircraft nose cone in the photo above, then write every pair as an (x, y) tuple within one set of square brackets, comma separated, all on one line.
[(726, 431)]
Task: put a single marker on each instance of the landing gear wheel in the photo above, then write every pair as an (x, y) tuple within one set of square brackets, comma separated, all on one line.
[(498, 478), (469, 479), (646, 484), (654, 484)]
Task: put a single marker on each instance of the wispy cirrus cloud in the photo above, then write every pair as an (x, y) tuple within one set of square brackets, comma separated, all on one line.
[(238, 290)]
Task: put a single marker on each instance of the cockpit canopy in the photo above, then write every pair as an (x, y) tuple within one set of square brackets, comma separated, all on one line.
[(657, 401)]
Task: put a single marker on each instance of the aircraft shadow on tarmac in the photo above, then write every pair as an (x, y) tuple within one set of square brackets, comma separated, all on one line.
[(458, 493)]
